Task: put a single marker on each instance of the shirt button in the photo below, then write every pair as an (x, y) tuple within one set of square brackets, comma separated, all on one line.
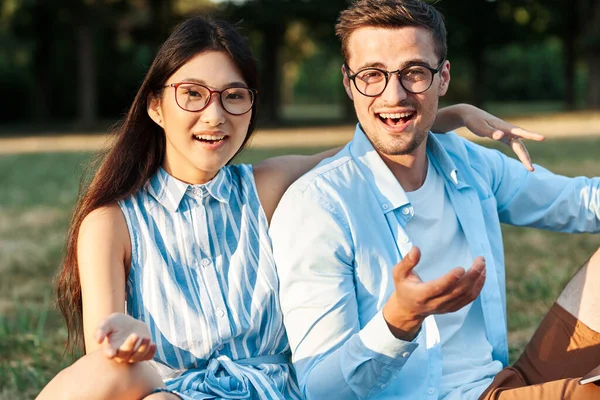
[(205, 262), (383, 386), (385, 206), (221, 313), (220, 347), (405, 354), (406, 211), (431, 390), (405, 239)]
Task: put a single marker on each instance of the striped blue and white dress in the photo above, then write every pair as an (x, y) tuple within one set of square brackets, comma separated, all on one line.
[(203, 278)]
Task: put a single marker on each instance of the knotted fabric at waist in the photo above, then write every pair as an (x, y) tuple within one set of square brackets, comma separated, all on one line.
[(221, 376)]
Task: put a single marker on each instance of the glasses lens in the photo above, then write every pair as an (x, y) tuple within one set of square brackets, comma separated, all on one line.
[(237, 100), (416, 79), (192, 97), (370, 82)]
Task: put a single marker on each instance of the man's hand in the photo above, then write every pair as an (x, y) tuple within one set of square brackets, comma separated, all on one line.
[(125, 339), (413, 299)]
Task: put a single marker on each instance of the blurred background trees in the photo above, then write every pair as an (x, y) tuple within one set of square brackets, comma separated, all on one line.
[(81, 61)]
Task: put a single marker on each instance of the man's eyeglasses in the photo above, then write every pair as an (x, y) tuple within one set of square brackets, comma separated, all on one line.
[(195, 97), (414, 79)]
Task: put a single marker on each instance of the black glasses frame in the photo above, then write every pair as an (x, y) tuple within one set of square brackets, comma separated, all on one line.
[(210, 96), (398, 72)]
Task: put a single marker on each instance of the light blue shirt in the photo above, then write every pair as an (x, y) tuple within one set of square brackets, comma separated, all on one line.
[(339, 230), (203, 278)]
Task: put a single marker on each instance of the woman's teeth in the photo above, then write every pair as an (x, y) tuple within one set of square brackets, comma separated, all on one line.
[(209, 138)]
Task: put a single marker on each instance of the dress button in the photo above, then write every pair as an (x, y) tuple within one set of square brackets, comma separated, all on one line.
[(431, 390), (221, 313), (205, 262)]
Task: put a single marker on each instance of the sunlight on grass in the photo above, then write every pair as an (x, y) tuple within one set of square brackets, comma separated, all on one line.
[(38, 194)]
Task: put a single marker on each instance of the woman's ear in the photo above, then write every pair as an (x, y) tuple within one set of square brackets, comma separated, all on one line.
[(154, 110)]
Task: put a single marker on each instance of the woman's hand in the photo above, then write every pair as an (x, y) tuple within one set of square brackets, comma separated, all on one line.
[(485, 124), (125, 339)]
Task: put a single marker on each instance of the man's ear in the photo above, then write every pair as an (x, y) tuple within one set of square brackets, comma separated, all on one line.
[(154, 110), (346, 82), (445, 78)]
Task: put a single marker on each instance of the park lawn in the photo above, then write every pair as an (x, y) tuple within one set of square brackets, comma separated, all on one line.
[(37, 196)]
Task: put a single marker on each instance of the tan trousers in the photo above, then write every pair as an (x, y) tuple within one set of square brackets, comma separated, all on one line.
[(560, 352)]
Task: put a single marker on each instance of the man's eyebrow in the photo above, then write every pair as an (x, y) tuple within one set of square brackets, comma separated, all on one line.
[(380, 65)]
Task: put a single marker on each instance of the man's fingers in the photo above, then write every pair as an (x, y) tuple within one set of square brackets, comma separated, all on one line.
[(403, 269), (462, 286), (443, 284)]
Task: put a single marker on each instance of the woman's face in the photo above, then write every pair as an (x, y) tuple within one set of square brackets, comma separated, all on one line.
[(199, 143)]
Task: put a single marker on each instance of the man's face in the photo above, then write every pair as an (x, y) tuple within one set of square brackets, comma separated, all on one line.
[(396, 122)]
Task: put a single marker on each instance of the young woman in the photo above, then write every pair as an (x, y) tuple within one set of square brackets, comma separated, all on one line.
[(172, 235)]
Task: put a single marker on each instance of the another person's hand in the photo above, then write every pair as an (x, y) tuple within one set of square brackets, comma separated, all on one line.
[(485, 124), (413, 299), (125, 339)]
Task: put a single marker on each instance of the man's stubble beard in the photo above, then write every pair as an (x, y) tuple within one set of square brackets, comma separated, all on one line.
[(400, 150)]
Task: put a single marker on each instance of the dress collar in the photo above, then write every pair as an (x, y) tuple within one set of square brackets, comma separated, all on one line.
[(169, 191)]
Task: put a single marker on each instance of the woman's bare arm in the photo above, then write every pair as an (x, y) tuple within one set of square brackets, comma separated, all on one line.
[(484, 124), (274, 175), (103, 254)]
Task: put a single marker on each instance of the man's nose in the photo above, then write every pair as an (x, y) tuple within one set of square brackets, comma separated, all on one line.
[(394, 92)]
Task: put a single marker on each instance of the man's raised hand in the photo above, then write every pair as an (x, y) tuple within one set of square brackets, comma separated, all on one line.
[(413, 299)]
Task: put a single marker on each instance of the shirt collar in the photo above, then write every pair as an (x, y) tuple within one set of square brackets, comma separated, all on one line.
[(441, 160), (385, 186), (169, 191)]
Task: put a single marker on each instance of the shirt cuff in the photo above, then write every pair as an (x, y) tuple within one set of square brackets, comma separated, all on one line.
[(376, 336)]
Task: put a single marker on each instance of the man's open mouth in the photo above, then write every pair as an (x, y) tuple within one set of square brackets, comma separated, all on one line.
[(394, 119)]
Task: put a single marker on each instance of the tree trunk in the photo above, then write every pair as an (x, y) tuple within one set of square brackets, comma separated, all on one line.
[(43, 28), (271, 73), (589, 21), (478, 65), (570, 53), (87, 102), (593, 88)]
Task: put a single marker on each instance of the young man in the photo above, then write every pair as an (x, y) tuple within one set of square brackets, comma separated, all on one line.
[(360, 323)]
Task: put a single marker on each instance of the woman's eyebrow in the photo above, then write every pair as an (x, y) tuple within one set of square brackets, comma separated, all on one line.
[(201, 82)]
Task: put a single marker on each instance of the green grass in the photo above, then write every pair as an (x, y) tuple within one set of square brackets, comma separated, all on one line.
[(37, 196)]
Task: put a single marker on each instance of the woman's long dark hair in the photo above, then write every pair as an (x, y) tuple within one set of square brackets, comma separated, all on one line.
[(139, 145)]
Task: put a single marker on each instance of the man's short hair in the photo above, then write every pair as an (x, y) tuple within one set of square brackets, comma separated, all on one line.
[(392, 14)]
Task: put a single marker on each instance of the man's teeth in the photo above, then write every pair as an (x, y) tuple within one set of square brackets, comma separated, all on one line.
[(396, 115), (209, 137)]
